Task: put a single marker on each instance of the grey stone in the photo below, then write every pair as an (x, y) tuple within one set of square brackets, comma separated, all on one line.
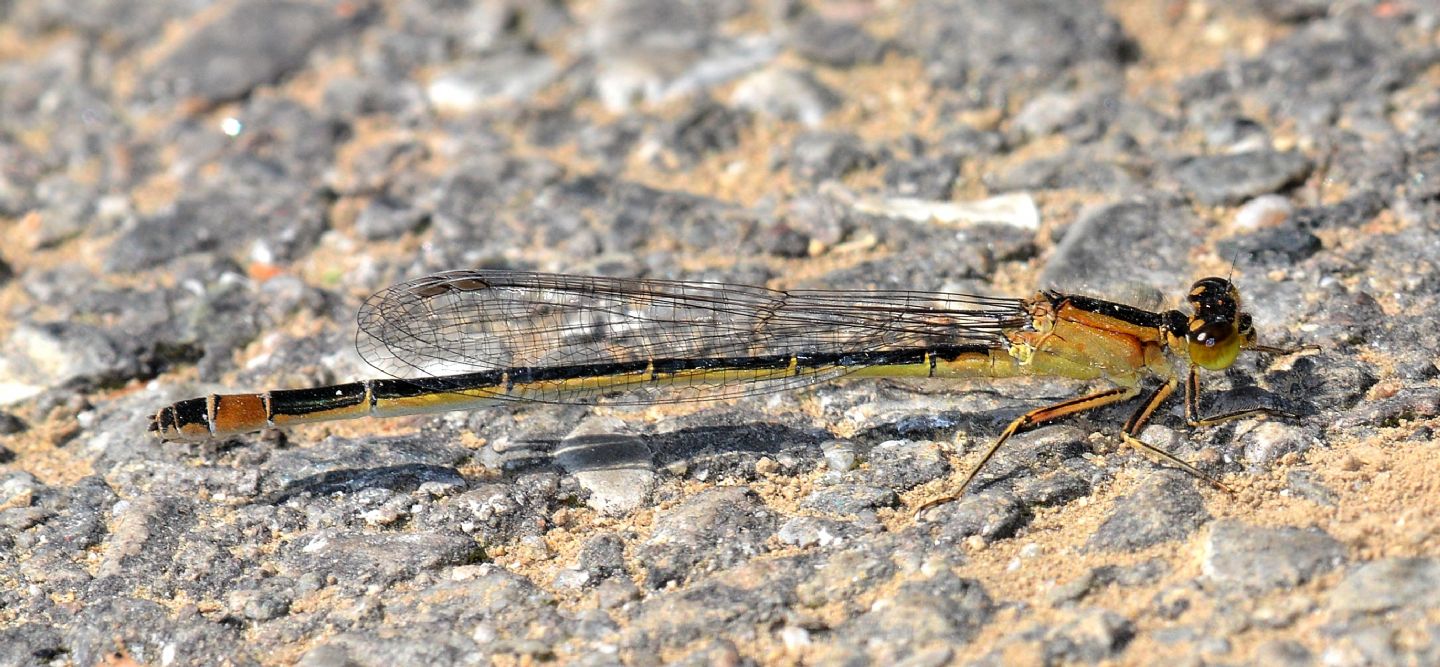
[(358, 560), (160, 540), (1093, 635), (127, 25), (785, 94), (1258, 559), (206, 241), (656, 24), (845, 577), (67, 209), (150, 633), (964, 140), (146, 535), (251, 44), (1424, 162), (78, 524), (1349, 213), (206, 221), (1283, 613), (850, 499), (1087, 260), (651, 51), (694, 612), (1409, 404), (365, 650), (1376, 644), (1304, 484), (505, 78), (507, 24), (11, 425), (990, 514), (1068, 172), (831, 42), (615, 592), (713, 530), (1388, 584), (1231, 179), (1292, 10), (1165, 507), (921, 613), (30, 643), (1271, 440), (703, 129), (999, 48), (1047, 113), (923, 178), (53, 354), (904, 464), (603, 556), (822, 156), (711, 651), (806, 532), (264, 604), (18, 180), (1231, 134), (383, 219), (478, 608), (1077, 589), (1329, 384), (1281, 246), (1059, 488), (399, 463), (840, 455), (1314, 73)]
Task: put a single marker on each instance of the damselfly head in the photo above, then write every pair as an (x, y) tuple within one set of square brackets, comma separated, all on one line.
[(1217, 330)]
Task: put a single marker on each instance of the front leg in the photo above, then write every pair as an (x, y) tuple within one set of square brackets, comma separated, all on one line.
[(1131, 433)]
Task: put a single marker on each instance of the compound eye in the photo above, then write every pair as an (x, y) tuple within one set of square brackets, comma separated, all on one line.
[(1212, 334), (1246, 329), (1213, 345)]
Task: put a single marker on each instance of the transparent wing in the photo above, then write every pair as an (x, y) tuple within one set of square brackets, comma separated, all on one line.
[(473, 321)]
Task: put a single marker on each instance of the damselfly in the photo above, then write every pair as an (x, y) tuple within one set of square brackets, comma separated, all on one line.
[(462, 339)]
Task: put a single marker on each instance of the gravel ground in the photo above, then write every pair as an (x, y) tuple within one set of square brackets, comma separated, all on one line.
[(195, 196)]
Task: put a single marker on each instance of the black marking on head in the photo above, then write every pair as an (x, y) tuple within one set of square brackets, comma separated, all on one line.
[(1216, 305)]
